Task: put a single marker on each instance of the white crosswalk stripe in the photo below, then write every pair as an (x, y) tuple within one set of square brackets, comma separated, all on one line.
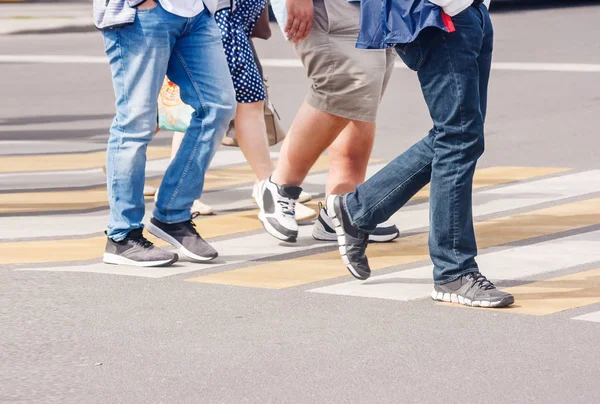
[(509, 264)]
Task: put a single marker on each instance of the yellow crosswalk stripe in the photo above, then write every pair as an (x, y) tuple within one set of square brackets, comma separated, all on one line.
[(412, 249), (558, 294), (94, 198), (60, 250), (68, 161)]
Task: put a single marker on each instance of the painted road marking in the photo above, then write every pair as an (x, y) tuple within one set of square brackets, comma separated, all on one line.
[(94, 198), (513, 263), (593, 317), (510, 197), (558, 294), (83, 249), (69, 161), (411, 249), (295, 63), (91, 248)]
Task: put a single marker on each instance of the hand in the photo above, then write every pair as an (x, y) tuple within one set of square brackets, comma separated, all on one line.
[(148, 4), (299, 19)]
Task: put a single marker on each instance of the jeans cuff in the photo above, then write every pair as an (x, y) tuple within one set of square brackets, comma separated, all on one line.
[(352, 221), (455, 277), (120, 235), (171, 219)]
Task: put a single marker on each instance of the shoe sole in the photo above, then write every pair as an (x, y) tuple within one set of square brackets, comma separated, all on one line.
[(321, 235), (161, 234), (341, 239), (274, 232), (298, 218), (454, 298), (114, 259)]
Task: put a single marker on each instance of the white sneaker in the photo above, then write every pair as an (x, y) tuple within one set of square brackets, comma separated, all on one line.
[(277, 206), (149, 191), (303, 198), (201, 208), (323, 230), (303, 213)]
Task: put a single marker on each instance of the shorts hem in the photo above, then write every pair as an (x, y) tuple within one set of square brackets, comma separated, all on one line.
[(325, 105)]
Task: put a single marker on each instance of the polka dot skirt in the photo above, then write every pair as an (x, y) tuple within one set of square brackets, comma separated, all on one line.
[(236, 28)]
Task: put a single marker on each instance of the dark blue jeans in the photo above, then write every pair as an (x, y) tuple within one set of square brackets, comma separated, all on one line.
[(453, 70)]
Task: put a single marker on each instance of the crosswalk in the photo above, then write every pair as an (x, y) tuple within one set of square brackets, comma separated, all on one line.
[(538, 231)]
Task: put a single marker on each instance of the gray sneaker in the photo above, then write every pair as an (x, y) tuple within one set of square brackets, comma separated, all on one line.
[(135, 250), (352, 242), (185, 237), (472, 289)]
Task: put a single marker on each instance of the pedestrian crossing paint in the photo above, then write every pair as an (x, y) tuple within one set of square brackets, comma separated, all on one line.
[(81, 200), (68, 161), (78, 249), (510, 264), (412, 249), (593, 317)]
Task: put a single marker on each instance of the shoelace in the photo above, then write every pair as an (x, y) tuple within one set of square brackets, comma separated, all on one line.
[(480, 279), (192, 225), (288, 206), (138, 238)]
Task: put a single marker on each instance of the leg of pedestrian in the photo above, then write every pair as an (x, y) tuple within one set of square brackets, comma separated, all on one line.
[(137, 67), (199, 68), (453, 70), (347, 86)]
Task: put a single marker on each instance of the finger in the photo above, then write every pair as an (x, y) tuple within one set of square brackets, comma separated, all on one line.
[(302, 32), (288, 24), (294, 31)]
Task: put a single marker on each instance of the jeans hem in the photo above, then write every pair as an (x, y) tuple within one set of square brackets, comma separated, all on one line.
[(455, 277), (171, 219), (352, 221), (120, 236)]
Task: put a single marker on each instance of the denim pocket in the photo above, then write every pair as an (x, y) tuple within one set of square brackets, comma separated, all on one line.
[(411, 54)]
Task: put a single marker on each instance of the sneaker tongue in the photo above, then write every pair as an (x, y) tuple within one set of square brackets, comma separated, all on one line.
[(290, 191), (135, 234)]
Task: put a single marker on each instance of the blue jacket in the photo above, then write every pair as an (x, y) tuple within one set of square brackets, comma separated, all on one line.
[(385, 23)]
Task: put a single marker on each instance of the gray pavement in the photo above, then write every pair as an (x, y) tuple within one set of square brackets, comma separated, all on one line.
[(72, 331)]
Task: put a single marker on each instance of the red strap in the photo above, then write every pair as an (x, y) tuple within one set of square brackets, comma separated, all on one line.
[(448, 22)]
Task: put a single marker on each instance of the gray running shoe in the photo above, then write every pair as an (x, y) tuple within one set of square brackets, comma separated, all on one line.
[(352, 242), (472, 289), (135, 250), (184, 236), (323, 230)]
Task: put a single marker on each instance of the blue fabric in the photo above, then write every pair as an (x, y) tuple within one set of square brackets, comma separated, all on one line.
[(453, 70), (385, 23), (190, 51)]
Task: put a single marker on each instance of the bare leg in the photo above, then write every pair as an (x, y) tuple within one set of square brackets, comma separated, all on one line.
[(311, 133), (251, 135), (177, 138), (349, 156)]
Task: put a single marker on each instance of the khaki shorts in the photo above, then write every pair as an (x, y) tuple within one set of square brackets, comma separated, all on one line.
[(346, 81)]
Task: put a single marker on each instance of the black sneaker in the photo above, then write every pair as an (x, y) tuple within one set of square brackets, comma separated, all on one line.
[(323, 230), (472, 289), (135, 250), (277, 206), (353, 242), (184, 236)]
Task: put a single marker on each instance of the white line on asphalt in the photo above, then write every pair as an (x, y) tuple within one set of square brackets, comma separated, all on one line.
[(262, 246), (295, 63), (514, 263), (593, 317)]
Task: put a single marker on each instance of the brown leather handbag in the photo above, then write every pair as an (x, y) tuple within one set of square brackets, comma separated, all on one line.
[(262, 29), (275, 133)]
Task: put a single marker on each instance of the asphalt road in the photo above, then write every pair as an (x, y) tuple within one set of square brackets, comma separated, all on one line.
[(85, 336)]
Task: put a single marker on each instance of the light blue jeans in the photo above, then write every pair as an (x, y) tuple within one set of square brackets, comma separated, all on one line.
[(190, 52)]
